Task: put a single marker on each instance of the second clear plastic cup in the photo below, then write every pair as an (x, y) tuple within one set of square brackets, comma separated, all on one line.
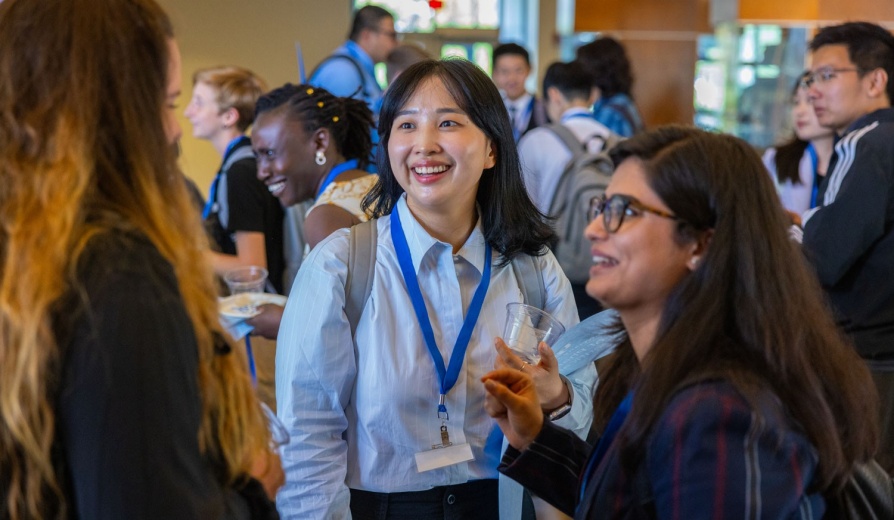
[(526, 327), (279, 435)]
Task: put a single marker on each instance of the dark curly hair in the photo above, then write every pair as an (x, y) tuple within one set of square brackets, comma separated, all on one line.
[(348, 120)]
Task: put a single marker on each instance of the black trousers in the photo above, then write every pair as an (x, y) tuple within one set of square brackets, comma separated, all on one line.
[(476, 500)]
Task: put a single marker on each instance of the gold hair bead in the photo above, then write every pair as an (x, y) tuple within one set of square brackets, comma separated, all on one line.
[(335, 119), (320, 104), (310, 91)]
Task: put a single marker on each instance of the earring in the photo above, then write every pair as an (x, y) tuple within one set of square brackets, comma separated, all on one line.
[(694, 262), (320, 158)]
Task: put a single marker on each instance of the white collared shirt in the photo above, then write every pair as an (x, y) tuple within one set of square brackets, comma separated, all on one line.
[(520, 111), (358, 412)]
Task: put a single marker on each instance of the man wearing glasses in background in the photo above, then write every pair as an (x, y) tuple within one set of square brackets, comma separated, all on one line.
[(350, 70), (849, 236)]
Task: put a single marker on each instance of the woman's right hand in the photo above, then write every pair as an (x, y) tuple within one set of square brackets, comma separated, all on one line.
[(512, 400)]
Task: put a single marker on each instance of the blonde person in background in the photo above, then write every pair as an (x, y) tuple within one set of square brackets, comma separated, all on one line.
[(119, 396), (244, 221)]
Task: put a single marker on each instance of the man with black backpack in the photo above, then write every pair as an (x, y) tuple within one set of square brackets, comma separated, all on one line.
[(350, 70), (564, 168)]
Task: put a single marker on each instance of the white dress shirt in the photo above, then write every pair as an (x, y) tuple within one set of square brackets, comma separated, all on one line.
[(544, 156), (359, 410)]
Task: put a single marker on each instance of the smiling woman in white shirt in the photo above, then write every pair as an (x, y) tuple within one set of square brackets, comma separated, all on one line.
[(366, 411)]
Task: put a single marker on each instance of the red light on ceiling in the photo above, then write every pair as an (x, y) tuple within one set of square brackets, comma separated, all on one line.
[(435, 4)]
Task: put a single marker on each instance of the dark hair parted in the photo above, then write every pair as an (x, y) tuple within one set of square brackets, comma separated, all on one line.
[(606, 61), (570, 79), (367, 18), (510, 49), (511, 222), (752, 313), (869, 46), (348, 120)]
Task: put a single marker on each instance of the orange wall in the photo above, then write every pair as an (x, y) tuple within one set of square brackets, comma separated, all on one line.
[(816, 10)]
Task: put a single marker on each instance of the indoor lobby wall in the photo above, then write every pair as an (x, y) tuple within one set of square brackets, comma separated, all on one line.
[(258, 35), (661, 38)]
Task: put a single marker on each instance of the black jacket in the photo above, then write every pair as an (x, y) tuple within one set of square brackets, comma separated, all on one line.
[(849, 238)]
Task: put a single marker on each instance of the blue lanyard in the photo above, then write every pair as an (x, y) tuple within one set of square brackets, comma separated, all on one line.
[(212, 193), (611, 431), (814, 161), (446, 376), (336, 170)]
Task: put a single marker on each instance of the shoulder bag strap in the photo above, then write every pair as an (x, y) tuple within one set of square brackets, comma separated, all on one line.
[(361, 270), (531, 280)]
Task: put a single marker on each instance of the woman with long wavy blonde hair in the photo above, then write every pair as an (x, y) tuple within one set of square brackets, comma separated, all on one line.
[(119, 396)]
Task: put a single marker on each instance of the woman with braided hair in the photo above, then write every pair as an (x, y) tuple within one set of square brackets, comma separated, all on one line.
[(120, 396), (312, 146)]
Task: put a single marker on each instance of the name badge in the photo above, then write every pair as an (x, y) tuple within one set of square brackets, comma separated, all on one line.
[(443, 456)]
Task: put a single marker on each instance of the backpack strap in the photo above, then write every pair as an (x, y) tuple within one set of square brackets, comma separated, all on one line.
[(568, 139), (530, 280), (243, 152), (361, 269), (223, 207), (353, 61)]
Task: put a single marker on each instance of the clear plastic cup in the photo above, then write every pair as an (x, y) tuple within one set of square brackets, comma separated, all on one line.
[(250, 279), (526, 327), (246, 280)]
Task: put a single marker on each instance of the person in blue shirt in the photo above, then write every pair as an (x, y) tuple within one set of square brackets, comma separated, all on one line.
[(350, 70), (737, 396), (609, 68)]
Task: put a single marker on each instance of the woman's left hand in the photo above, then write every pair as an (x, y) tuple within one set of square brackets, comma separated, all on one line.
[(550, 389)]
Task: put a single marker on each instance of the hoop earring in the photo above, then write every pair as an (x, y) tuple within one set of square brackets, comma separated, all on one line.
[(320, 158)]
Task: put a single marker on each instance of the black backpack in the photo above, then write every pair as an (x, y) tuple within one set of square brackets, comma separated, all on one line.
[(585, 176)]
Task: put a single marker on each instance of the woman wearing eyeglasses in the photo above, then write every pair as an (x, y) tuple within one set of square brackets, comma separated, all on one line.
[(731, 394)]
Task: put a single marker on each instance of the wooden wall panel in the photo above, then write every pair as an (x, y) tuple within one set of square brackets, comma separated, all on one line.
[(664, 75), (661, 38), (649, 15), (878, 11), (776, 10), (823, 11)]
